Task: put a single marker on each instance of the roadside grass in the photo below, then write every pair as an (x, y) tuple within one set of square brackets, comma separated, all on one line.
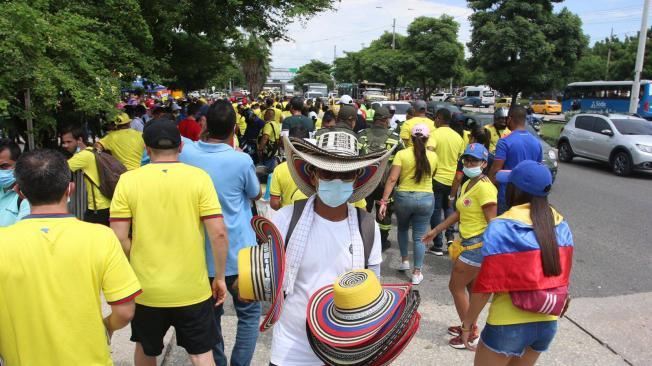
[(550, 132)]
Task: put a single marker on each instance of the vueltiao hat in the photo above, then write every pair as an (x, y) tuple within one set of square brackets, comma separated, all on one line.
[(354, 309), (261, 270), (336, 151)]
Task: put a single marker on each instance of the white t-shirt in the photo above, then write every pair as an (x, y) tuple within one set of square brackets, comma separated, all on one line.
[(327, 255)]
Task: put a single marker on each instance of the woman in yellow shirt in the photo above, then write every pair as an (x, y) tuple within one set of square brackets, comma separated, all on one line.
[(475, 207), (413, 168)]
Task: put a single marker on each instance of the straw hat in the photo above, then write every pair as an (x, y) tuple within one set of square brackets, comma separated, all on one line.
[(336, 151), (357, 321), (261, 269)]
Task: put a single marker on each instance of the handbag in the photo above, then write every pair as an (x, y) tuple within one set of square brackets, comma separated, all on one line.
[(456, 249), (552, 301)]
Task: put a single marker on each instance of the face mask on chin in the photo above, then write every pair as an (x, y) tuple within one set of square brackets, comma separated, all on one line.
[(7, 178), (334, 193)]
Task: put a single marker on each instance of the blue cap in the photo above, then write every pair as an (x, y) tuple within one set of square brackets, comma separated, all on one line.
[(477, 151), (528, 176)]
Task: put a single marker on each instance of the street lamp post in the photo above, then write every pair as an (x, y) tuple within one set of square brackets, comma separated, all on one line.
[(642, 38)]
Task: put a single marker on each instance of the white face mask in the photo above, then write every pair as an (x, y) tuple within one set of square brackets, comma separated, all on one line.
[(472, 172), (335, 192)]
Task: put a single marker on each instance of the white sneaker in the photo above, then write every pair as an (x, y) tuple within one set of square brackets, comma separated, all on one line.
[(405, 266), (416, 279)]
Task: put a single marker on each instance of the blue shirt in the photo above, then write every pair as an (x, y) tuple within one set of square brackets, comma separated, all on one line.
[(234, 176), (518, 146), (10, 213)]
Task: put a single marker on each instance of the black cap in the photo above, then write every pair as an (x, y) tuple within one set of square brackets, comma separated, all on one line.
[(162, 134)]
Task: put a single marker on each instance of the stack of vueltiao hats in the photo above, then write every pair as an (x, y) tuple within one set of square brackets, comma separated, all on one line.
[(358, 321), (261, 270)]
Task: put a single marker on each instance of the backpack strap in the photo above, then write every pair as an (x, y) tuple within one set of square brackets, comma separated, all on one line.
[(296, 215), (367, 227), (18, 202)]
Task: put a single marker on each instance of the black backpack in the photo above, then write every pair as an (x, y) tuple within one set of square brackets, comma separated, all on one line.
[(366, 225)]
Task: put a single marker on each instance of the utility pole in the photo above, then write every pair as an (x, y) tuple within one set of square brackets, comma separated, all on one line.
[(606, 73), (334, 52), (394, 34), (642, 38)]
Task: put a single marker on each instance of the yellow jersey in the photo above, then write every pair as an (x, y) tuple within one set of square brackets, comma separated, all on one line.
[(166, 203), (126, 145), (495, 136), (503, 312), (272, 130), (406, 128), (469, 205), (406, 183), (85, 161), (449, 146), (52, 271)]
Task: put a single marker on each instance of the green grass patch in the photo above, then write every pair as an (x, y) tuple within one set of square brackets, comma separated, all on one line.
[(550, 132)]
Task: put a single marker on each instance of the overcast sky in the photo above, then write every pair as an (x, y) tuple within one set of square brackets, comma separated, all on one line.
[(355, 23)]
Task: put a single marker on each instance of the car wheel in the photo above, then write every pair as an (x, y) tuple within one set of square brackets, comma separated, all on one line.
[(565, 152), (621, 164)]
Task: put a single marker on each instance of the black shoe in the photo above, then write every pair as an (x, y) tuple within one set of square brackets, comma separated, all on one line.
[(438, 251), (385, 245)]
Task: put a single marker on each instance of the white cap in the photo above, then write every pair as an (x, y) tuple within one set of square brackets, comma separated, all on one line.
[(346, 99)]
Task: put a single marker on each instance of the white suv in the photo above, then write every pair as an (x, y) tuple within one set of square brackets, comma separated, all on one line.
[(624, 141)]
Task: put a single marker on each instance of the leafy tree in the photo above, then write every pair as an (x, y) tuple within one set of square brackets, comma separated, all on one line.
[(381, 63), (438, 56), (523, 45), (474, 76), (313, 72), (253, 56), (348, 68)]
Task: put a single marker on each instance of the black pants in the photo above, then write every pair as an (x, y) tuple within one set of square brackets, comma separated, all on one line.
[(97, 216)]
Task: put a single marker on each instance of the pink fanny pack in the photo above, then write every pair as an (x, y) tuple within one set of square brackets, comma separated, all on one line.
[(553, 301)]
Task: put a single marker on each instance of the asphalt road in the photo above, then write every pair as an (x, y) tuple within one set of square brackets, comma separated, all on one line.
[(610, 218)]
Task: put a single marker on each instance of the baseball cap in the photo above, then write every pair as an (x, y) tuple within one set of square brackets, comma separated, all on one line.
[(346, 99), (381, 113), (346, 112), (162, 134), (203, 110), (420, 105), (122, 119), (528, 176), (476, 151), (421, 129)]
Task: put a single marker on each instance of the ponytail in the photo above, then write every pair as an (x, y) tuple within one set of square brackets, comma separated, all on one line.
[(420, 156), (543, 224)]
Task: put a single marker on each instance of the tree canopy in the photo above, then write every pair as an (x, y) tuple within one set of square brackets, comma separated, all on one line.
[(313, 72)]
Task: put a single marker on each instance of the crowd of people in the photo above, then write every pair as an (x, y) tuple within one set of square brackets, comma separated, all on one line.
[(168, 194)]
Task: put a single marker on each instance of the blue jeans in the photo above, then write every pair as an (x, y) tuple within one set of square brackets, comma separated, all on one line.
[(512, 340), (247, 331), (441, 193), (413, 208)]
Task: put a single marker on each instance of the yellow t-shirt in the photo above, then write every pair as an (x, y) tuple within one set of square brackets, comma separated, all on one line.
[(273, 130), (449, 146), (166, 203), (125, 145), (286, 114), (318, 124), (278, 115), (85, 161), (258, 112), (406, 183), (465, 137), (495, 137), (283, 186), (52, 271), (242, 124), (469, 205), (503, 312), (406, 128)]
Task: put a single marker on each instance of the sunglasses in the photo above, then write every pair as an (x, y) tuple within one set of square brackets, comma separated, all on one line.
[(345, 176)]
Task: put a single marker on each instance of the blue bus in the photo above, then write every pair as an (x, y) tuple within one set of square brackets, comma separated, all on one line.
[(606, 97)]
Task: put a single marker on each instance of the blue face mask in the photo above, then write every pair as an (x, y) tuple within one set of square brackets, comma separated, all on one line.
[(7, 178), (334, 193), (472, 172)]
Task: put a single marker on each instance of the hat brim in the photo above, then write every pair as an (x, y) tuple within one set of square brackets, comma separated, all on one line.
[(387, 344), (302, 156), (502, 176), (268, 234), (335, 332)]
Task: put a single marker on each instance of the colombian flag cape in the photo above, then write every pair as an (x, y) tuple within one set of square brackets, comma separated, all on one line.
[(512, 257)]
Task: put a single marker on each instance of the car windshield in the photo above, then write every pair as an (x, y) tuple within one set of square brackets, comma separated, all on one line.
[(374, 92), (633, 126), (552, 102), (485, 119), (488, 94), (400, 108)]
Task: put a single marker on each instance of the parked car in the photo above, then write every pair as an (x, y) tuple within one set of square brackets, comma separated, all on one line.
[(475, 102), (400, 105), (546, 107), (440, 97), (549, 153), (503, 103), (433, 107), (621, 140)]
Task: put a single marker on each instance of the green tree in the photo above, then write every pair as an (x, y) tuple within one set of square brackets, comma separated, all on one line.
[(313, 72), (253, 56), (381, 63), (524, 46), (348, 69), (474, 76), (433, 46)]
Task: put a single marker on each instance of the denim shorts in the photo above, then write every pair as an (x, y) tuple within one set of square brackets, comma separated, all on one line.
[(511, 340), (472, 257)]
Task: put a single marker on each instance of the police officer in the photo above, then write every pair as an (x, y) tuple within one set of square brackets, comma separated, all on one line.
[(379, 137)]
